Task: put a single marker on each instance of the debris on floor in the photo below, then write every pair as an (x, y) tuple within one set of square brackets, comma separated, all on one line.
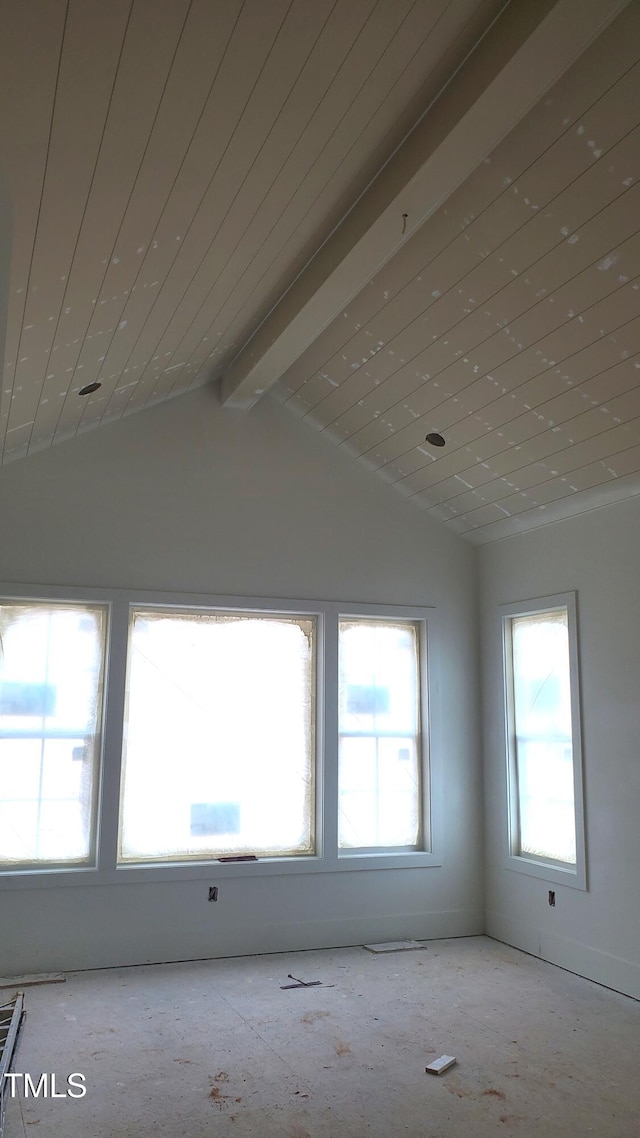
[(31, 980), (395, 946), (302, 983), (11, 1016), (441, 1064)]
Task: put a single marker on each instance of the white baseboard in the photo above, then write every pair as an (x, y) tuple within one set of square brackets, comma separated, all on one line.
[(173, 943), (602, 967)]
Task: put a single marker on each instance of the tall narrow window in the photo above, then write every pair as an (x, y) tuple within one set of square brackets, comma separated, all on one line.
[(380, 738), (219, 755), (51, 680), (543, 735)]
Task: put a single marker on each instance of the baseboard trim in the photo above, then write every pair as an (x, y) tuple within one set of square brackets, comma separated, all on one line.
[(591, 963), (175, 944)]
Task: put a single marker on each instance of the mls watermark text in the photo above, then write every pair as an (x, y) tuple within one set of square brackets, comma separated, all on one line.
[(46, 1085)]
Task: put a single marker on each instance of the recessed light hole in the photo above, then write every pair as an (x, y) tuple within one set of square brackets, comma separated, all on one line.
[(435, 439)]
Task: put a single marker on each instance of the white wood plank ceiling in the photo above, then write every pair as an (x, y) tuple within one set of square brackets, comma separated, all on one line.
[(232, 191)]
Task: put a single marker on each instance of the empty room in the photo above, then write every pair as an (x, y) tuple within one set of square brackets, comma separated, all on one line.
[(317, 322)]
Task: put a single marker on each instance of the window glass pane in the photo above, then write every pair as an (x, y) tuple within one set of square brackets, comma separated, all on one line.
[(542, 735), (51, 678), (379, 745), (219, 736)]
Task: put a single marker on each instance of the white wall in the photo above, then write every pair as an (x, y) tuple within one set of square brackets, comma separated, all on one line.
[(6, 236), (595, 933), (188, 497)]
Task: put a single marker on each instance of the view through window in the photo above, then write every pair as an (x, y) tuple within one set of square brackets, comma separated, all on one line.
[(219, 751), (51, 681), (541, 734), (380, 742)]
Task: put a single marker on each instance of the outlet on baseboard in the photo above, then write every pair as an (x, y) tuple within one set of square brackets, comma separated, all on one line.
[(213, 893), (552, 898)]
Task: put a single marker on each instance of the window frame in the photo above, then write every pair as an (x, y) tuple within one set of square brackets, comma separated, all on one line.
[(70, 599), (136, 608), (424, 842), (556, 872), (105, 869)]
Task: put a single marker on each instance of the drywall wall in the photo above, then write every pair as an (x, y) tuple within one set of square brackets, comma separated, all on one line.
[(595, 933), (190, 497), (6, 232)]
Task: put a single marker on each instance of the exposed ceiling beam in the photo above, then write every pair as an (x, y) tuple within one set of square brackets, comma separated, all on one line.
[(527, 49)]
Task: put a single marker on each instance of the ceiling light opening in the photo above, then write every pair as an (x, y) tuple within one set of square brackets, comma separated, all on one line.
[(435, 439)]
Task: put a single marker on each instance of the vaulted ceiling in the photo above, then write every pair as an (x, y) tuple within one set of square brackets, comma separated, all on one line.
[(396, 217)]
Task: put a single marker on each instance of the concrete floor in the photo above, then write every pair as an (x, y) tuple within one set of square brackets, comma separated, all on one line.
[(217, 1048)]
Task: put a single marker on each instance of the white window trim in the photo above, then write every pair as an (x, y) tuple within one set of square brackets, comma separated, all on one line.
[(28, 594), (327, 859), (426, 813), (573, 876)]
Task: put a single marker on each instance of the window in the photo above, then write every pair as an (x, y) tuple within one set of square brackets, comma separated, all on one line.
[(287, 734), (51, 687), (380, 735), (219, 756), (543, 735)]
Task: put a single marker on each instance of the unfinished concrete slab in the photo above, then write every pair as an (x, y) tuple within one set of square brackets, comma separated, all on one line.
[(217, 1047)]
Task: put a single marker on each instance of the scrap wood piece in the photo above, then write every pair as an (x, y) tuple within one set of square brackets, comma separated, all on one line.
[(395, 946), (11, 1017), (441, 1064), (31, 980)]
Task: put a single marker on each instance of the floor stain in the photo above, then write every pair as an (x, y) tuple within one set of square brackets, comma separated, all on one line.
[(311, 1017), (342, 1048), (459, 1091), (494, 1092), (215, 1094)]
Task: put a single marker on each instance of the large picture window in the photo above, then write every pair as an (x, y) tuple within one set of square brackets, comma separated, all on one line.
[(543, 734), (380, 734), (51, 687), (219, 754)]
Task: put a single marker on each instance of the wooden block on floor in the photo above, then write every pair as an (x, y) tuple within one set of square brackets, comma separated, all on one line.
[(395, 946), (441, 1064)]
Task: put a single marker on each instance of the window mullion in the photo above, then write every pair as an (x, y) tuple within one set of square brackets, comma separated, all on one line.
[(330, 737), (115, 682)]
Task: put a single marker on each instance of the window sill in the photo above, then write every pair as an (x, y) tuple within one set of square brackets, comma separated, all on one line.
[(555, 874), (206, 871)]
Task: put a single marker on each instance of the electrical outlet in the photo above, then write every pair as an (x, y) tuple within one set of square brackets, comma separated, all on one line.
[(552, 898), (213, 892)]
